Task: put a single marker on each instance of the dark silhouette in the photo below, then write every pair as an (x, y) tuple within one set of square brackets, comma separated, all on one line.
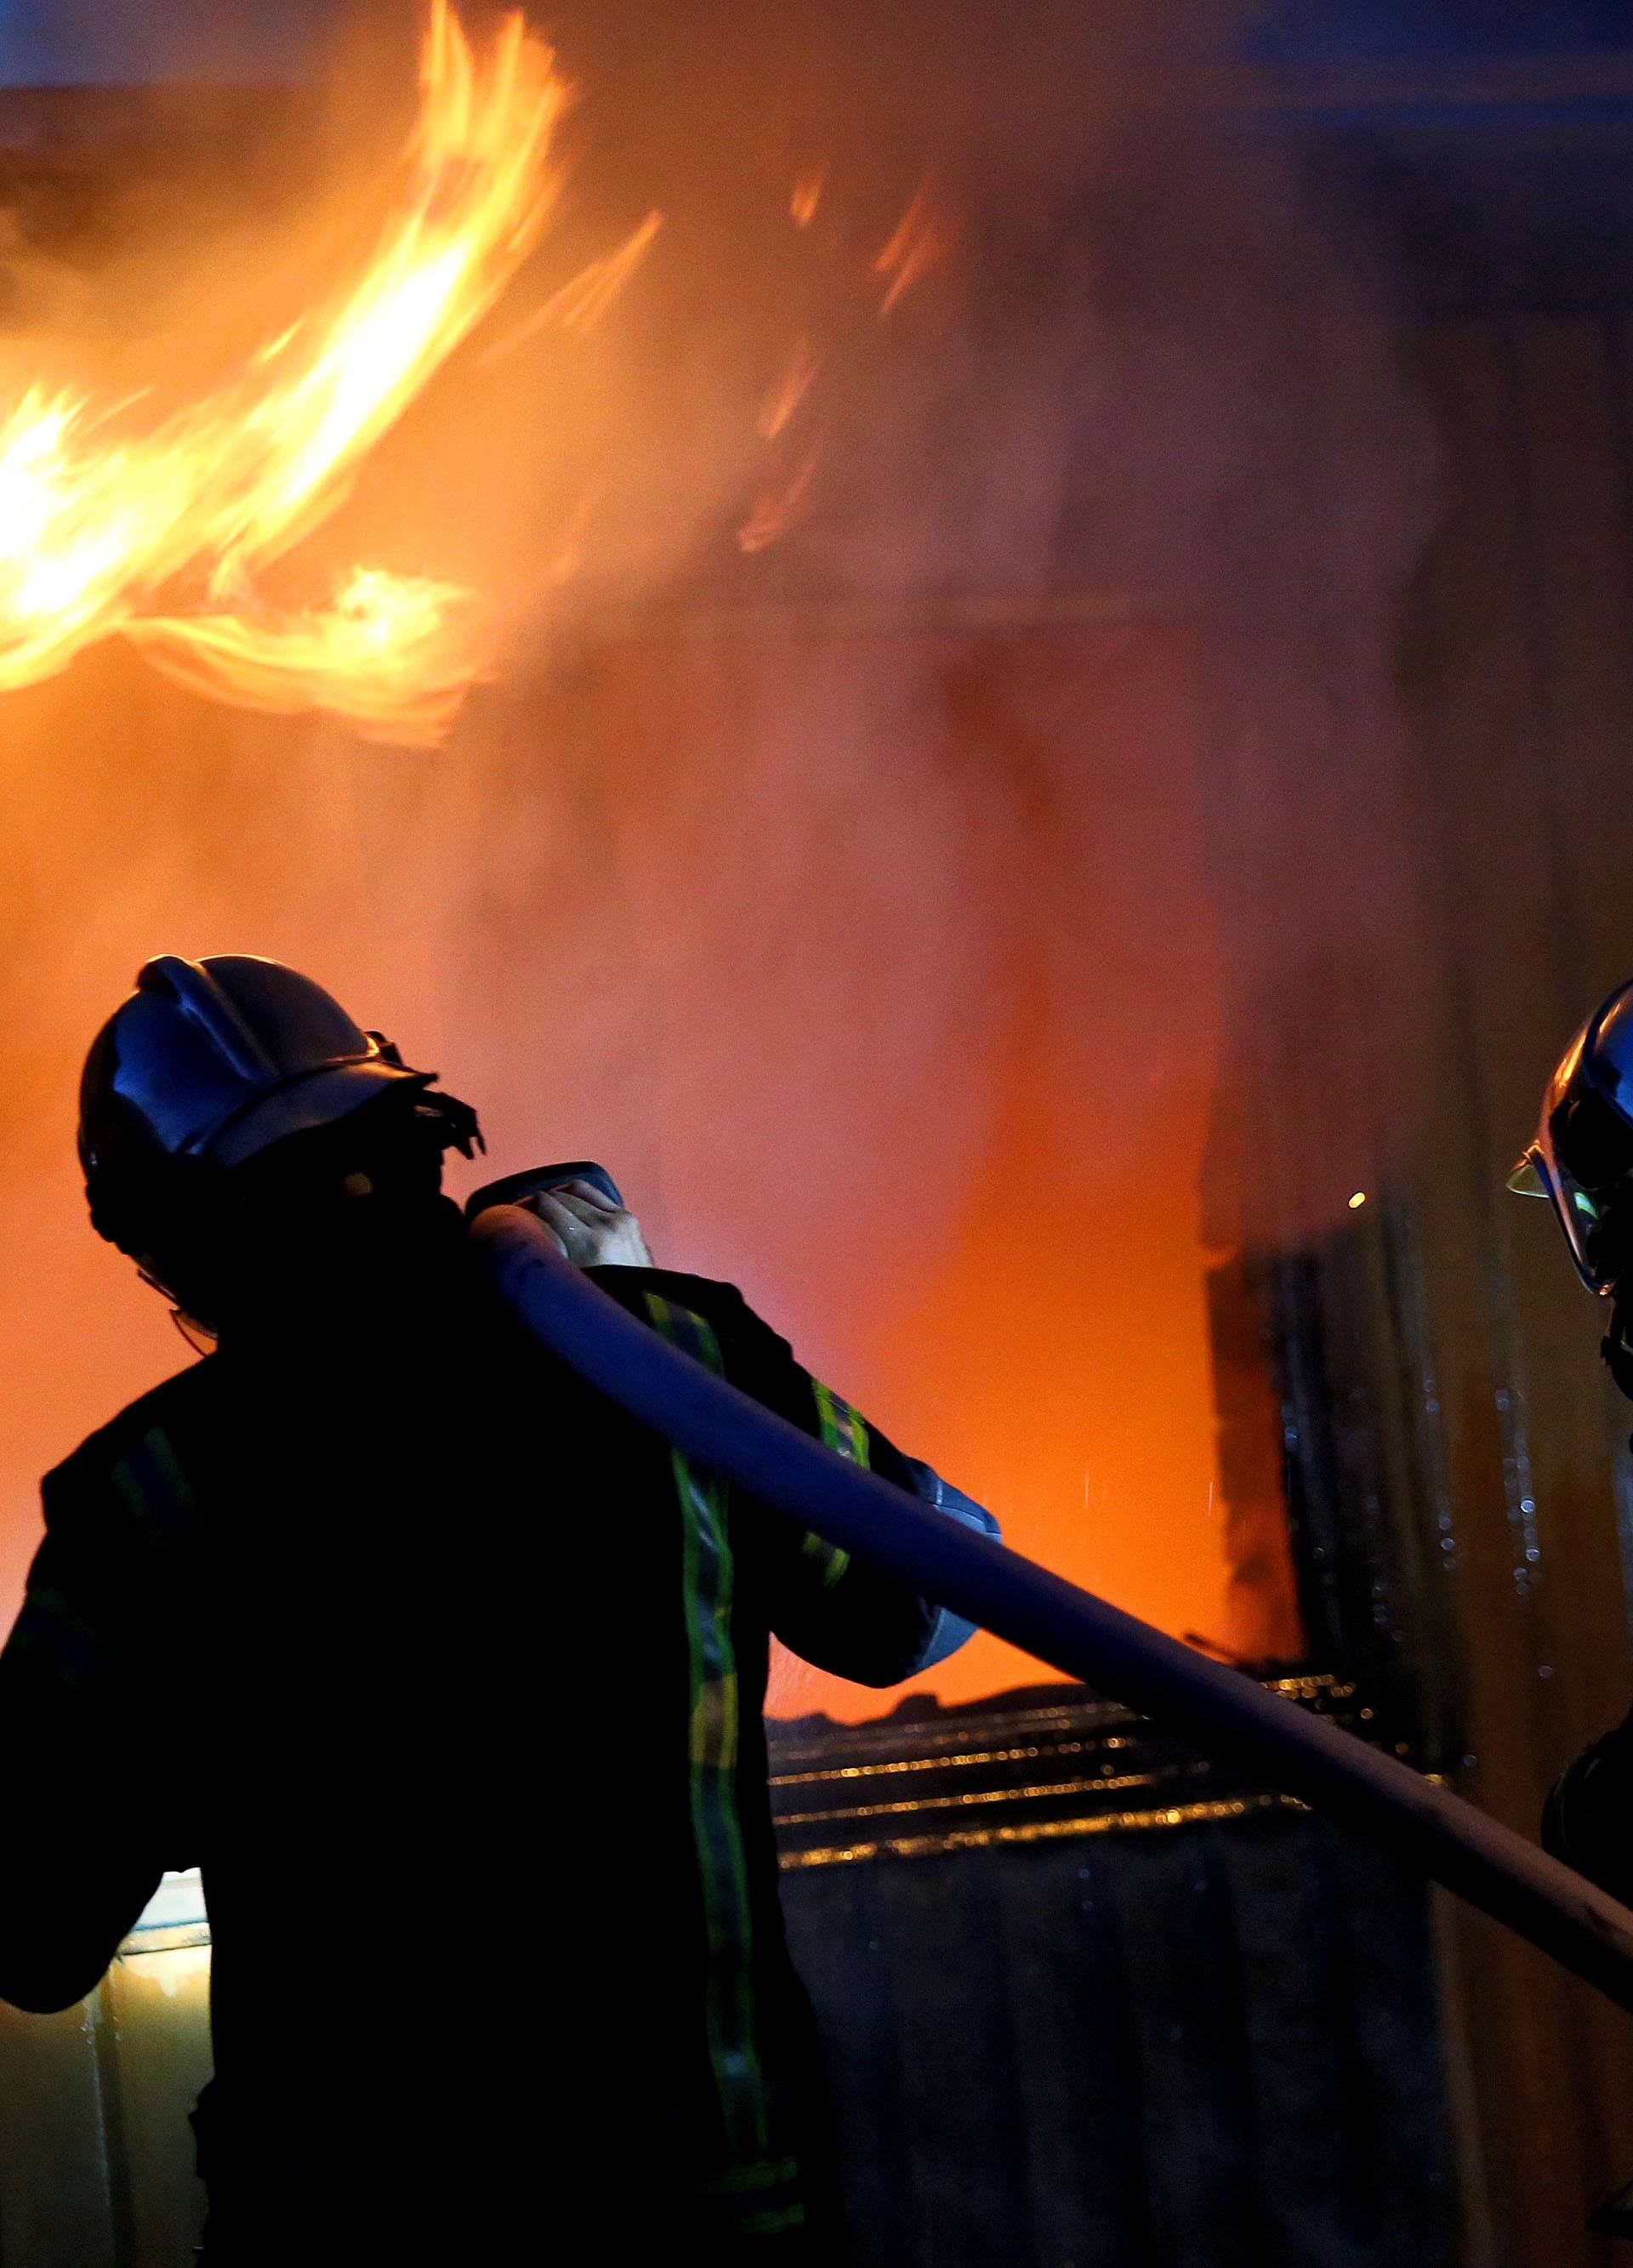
[(448, 1676)]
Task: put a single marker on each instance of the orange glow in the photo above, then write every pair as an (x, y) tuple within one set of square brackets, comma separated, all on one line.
[(101, 517), (1026, 1304)]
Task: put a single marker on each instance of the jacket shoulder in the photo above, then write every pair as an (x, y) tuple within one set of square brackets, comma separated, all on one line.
[(630, 1285), (160, 1424), (722, 1305)]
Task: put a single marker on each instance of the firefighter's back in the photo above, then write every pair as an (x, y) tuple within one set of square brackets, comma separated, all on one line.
[(441, 1793)]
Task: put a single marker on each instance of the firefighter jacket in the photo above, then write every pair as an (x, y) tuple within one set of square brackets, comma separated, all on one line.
[(449, 1676)]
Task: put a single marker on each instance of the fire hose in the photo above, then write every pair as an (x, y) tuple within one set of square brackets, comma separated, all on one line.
[(1224, 1711)]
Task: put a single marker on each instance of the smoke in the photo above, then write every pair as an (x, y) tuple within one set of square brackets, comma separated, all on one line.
[(67, 42), (885, 902)]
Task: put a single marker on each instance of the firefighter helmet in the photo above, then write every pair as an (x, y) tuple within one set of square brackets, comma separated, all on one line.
[(207, 1064), (1582, 1159)]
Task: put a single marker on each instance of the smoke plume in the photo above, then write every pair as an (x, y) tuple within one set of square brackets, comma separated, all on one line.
[(869, 846)]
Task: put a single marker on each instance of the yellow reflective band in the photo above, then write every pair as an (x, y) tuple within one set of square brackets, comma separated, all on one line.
[(828, 1559), (745, 2208), (844, 1430), (842, 1427), (771, 2223), (712, 1742), (769, 2174)]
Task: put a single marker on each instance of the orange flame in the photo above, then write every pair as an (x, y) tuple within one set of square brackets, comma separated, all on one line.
[(394, 655), (99, 520), (779, 510), (790, 390), (580, 304), (806, 197), (921, 238)]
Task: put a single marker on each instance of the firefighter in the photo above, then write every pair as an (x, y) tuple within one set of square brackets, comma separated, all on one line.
[(1582, 1162), (446, 1673)]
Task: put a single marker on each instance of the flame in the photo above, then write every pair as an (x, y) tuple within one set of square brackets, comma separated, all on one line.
[(580, 304), (779, 510), (921, 238), (790, 390), (806, 197), (101, 519), (394, 655)]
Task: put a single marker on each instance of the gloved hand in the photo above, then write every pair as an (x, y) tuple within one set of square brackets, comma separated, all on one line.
[(590, 1232)]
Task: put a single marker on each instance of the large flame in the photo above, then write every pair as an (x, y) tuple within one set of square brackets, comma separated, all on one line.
[(160, 533)]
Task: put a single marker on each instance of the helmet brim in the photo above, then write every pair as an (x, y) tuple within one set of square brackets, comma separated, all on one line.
[(299, 1105)]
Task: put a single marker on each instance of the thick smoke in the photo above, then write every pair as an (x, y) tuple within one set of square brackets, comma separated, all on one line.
[(884, 904)]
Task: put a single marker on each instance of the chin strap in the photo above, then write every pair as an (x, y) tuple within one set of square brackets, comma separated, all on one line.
[(454, 1121)]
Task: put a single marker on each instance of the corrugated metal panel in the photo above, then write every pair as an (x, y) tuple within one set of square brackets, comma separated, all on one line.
[(1455, 1453), (1202, 2048)]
